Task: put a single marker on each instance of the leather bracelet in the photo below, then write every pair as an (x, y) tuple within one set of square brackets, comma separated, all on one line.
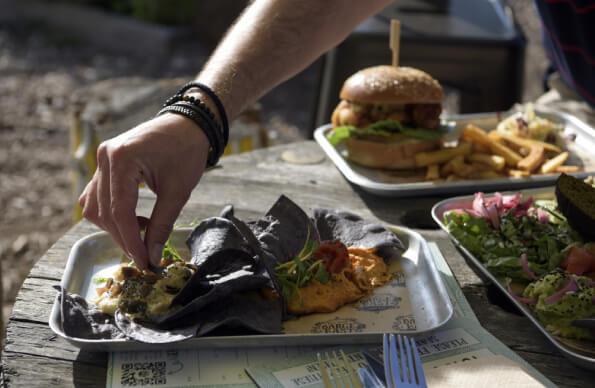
[(214, 151), (200, 108), (212, 95)]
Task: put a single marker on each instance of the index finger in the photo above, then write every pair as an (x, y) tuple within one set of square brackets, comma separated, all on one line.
[(124, 197)]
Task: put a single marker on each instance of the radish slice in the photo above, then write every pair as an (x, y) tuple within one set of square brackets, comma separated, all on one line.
[(479, 206), (526, 268), (492, 211), (571, 286), (511, 201), (543, 216)]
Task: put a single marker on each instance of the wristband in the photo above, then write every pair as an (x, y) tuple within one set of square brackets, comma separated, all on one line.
[(207, 126), (212, 95)]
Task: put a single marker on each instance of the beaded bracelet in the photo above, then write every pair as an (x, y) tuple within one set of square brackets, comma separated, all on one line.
[(212, 95), (205, 125), (200, 108)]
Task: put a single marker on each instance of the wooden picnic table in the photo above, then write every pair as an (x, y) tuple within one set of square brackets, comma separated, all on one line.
[(35, 357)]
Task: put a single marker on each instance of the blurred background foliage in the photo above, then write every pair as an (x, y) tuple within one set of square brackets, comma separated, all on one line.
[(167, 12)]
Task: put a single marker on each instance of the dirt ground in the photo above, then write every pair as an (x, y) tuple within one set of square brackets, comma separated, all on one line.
[(39, 71)]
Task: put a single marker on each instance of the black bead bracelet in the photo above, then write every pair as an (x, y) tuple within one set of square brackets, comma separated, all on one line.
[(212, 95), (196, 110), (216, 149)]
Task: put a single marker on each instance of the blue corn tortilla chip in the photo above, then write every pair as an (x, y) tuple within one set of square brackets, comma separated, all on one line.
[(242, 312), (151, 333), (284, 230), (210, 287), (245, 312), (214, 235), (228, 263), (268, 260), (352, 230), (81, 320)]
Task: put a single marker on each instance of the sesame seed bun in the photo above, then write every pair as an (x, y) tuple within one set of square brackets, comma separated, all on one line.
[(391, 85)]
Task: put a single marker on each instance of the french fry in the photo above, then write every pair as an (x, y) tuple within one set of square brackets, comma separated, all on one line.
[(550, 165), (453, 177), (472, 133), (496, 162), (527, 143), (448, 167), (478, 148), (511, 157), (518, 173), (495, 136), (568, 169), (433, 172), (424, 159), (479, 166), (461, 168), (533, 160)]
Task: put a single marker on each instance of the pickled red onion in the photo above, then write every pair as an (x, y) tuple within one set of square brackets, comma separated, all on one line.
[(571, 286), (526, 269)]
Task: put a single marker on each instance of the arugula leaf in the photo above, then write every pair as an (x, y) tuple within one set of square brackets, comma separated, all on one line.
[(500, 249), (301, 270), (170, 252)]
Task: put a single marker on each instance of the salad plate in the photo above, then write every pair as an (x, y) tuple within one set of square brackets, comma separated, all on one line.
[(414, 300), (517, 277)]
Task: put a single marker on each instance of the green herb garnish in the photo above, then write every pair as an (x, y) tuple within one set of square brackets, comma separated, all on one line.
[(170, 252), (99, 280), (301, 270)]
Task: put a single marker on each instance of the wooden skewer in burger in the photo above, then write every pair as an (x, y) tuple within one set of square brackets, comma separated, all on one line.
[(388, 114)]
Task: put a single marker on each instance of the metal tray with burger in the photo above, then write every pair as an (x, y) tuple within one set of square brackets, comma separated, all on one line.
[(387, 136)]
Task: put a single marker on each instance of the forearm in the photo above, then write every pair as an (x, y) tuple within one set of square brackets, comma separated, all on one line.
[(275, 39)]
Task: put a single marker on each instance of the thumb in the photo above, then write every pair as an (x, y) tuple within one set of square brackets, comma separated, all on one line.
[(160, 225)]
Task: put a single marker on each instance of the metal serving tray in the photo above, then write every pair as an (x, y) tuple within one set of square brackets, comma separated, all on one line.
[(415, 301), (579, 352), (403, 184)]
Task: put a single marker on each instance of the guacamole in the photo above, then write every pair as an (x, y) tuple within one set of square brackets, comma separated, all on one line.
[(560, 298)]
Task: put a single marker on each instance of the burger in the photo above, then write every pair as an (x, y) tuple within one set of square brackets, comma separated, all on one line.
[(388, 114)]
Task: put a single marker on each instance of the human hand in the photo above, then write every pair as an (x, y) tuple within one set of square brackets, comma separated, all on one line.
[(169, 154)]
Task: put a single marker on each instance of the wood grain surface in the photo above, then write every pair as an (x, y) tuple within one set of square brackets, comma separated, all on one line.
[(35, 357)]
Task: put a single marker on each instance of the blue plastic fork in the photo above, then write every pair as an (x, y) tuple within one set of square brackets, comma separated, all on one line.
[(402, 363)]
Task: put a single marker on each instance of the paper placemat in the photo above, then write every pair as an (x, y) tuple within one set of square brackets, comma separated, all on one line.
[(447, 353)]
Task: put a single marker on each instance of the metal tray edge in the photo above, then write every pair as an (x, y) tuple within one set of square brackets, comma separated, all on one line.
[(254, 340), (427, 188)]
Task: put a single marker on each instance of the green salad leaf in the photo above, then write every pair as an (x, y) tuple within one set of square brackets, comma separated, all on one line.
[(500, 249), (383, 128)]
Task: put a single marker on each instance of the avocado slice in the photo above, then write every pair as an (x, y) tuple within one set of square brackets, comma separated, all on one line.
[(576, 200)]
